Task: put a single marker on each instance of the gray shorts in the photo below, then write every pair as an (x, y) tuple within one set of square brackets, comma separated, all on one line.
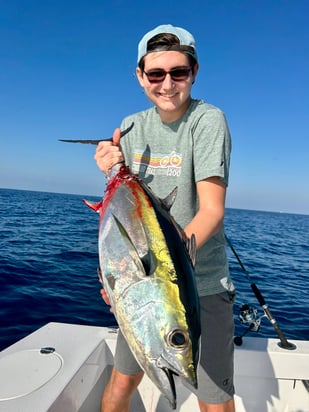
[(216, 368)]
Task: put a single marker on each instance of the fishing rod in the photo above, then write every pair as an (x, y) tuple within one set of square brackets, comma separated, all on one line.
[(249, 313)]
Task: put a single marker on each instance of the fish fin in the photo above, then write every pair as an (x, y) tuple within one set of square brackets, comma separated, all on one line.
[(149, 263), (190, 245), (100, 276), (97, 141), (96, 206), (147, 260), (169, 200)]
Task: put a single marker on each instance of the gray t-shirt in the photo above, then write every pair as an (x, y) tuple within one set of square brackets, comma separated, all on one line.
[(181, 153)]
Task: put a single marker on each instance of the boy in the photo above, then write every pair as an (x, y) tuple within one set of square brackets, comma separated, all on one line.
[(185, 143)]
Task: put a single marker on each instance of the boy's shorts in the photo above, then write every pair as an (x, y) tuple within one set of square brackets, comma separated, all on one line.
[(216, 367)]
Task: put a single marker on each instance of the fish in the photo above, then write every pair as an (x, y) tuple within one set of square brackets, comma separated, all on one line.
[(147, 270)]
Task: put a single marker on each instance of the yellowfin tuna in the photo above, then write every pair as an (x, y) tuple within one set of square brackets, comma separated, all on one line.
[(147, 268)]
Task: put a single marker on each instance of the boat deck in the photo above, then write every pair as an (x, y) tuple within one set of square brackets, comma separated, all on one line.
[(69, 374)]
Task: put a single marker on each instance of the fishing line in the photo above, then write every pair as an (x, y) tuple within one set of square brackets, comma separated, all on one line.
[(283, 341)]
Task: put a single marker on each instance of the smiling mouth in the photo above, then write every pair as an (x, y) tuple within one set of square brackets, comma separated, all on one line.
[(168, 95)]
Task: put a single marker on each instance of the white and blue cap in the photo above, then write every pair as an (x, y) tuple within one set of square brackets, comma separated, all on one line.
[(186, 41)]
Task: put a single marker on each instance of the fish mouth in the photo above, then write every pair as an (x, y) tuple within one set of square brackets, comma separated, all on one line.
[(170, 376), (186, 372), (170, 371), (171, 396)]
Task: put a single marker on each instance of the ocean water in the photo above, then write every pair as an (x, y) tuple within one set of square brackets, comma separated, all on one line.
[(48, 261)]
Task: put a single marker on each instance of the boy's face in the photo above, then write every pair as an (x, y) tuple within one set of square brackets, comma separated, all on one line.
[(171, 97)]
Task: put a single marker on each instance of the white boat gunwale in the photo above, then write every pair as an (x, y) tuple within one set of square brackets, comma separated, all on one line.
[(267, 377)]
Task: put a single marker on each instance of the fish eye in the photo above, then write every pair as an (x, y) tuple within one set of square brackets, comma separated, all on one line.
[(178, 339)]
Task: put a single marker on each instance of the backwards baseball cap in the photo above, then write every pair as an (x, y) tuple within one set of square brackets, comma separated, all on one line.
[(186, 41)]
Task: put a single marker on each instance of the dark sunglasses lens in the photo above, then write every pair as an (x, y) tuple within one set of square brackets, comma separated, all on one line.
[(156, 76), (180, 74)]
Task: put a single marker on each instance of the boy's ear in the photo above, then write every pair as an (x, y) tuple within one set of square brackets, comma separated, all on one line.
[(194, 71), (139, 75)]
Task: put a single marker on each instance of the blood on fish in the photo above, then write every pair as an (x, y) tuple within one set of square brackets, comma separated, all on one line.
[(124, 176)]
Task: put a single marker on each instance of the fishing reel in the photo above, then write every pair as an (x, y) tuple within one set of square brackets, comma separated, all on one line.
[(248, 316)]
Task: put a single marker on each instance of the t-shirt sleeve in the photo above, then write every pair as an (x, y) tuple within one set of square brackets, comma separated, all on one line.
[(212, 146)]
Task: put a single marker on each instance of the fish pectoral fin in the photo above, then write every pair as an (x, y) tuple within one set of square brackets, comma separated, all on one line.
[(149, 263), (147, 260), (123, 231), (96, 206)]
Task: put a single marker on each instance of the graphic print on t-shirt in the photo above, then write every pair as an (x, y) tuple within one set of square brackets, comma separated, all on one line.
[(157, 164)]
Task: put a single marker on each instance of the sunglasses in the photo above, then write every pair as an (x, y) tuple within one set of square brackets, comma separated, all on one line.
[(177, 74)]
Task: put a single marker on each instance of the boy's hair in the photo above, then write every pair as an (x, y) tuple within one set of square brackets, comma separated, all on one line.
[(167, 37), (167, 42)]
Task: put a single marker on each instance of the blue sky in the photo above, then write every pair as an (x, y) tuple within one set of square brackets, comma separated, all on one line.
[(67, 70)]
